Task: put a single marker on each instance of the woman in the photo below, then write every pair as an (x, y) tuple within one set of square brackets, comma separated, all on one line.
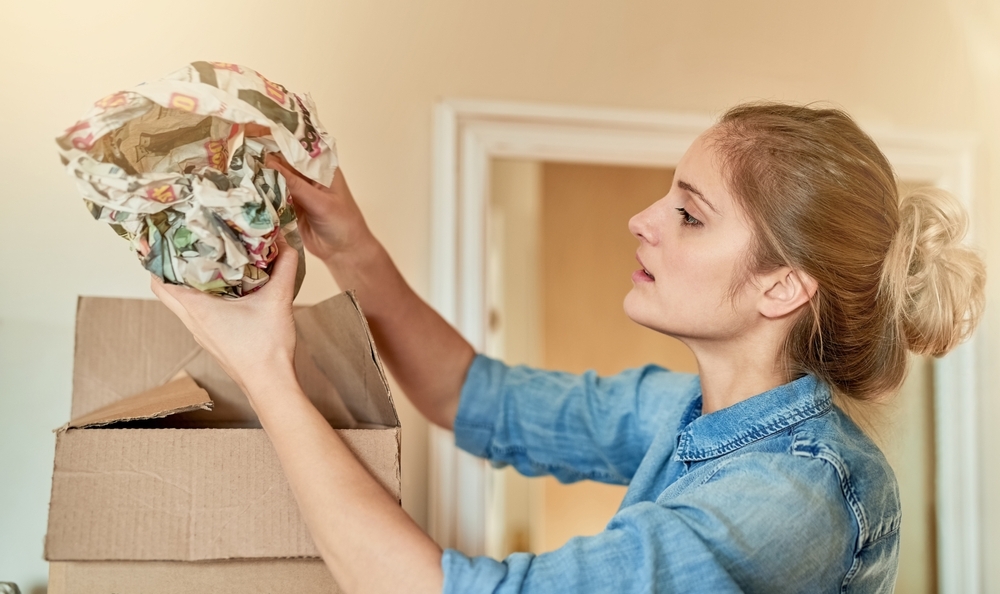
[(782, 256)]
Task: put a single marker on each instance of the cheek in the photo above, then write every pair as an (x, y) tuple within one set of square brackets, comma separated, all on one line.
[(694, 268), (699, 281)]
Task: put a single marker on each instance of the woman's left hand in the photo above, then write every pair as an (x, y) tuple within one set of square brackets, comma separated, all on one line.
[(370, 544), (252, 337)]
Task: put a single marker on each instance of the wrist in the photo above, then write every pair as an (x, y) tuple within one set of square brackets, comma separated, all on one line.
[(362, 255), (266, 381)]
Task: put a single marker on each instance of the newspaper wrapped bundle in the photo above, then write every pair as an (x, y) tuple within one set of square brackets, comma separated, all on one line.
[(177, 167)]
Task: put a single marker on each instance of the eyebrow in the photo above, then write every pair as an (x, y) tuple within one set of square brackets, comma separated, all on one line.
[(686, 186)]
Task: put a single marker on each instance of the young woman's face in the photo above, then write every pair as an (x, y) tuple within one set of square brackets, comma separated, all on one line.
[(691, 246)]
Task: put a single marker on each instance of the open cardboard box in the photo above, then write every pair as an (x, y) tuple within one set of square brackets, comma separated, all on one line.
[(164, 480)]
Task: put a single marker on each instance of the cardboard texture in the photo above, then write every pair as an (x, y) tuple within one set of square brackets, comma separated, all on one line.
[(301, 576), (164, 468)]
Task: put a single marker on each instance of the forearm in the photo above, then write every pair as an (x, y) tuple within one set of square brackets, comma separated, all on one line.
[(366, 539), (424, 353)]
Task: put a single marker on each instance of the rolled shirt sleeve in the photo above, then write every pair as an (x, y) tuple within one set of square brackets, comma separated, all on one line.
[(759, 524), (573, 427)]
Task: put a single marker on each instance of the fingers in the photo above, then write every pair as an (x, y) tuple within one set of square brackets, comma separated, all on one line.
[(179, 298), (309, 196), (159, 289), (292, 175), (285, 265), (276, 161), (165, 294)]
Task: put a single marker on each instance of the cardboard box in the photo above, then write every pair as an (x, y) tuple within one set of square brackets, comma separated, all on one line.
[(276, 576), (165, 471)]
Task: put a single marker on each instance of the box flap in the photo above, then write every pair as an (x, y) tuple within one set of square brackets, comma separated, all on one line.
[(181, 394), (128, 346), (335, 331)]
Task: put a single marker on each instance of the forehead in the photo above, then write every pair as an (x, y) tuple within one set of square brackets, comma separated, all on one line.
[(701, 167), (701, 157)]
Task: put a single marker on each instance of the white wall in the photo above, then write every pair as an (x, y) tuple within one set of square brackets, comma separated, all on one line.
[(375, 68)]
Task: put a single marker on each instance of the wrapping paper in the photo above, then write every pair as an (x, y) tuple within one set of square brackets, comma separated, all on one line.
[(176, 167)]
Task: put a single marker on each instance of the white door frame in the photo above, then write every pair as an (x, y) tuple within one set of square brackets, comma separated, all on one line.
[(468, 134)]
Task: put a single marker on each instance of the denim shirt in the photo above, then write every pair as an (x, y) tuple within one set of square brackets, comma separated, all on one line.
[(781, 492)]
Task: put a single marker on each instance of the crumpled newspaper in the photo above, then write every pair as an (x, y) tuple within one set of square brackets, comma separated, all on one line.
[(176, 167)]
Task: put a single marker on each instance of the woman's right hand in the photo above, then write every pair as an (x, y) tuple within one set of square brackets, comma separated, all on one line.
[(424, 353), (329, 220)]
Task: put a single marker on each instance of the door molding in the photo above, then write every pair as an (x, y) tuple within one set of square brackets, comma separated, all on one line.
[(468, 134)]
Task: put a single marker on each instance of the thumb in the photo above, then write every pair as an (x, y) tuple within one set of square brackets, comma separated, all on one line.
[(285, 265), (308, 195), (291, 175)]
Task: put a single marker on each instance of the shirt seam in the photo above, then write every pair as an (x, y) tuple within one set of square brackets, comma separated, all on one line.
[(891, 532), (853, 503), (847, 489), (856, 565)]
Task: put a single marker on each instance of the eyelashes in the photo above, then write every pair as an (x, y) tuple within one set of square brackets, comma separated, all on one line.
[(687, 219)]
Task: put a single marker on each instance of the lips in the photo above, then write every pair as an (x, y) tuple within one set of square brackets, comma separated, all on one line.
[(644, 270)]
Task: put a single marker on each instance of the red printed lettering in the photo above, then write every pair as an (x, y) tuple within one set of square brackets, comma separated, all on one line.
[(162, 194), (216, 150), (84, 143), (183, 102)]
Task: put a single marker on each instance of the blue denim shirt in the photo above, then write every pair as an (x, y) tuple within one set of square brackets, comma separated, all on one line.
[(781, 492)]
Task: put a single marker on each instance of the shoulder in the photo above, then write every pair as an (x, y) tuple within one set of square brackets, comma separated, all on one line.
[(824, 462), (779, 485), (777, 522), (817, 488), (866, 479)]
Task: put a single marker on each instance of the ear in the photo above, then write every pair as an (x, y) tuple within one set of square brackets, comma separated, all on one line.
[(784, 291)]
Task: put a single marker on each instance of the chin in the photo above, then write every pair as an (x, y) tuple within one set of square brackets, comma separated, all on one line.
[(650, 316), (630, 305), (640, 313)]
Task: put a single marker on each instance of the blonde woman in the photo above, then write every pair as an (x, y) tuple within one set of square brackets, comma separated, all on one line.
[(782, 256)]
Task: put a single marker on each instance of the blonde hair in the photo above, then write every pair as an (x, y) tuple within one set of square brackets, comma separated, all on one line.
[(893, 274)]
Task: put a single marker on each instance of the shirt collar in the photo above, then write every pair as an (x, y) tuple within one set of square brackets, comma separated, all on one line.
[(707, 436)]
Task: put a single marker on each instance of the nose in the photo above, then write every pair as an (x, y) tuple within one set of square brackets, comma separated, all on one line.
[(643, 225)]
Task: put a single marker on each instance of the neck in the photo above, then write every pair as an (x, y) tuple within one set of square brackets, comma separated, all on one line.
[(732, 371)]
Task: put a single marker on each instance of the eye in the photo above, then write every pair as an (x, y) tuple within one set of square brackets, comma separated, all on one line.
[(687, 219)]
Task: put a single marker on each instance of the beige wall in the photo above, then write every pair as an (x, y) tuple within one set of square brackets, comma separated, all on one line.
[(375, 68)]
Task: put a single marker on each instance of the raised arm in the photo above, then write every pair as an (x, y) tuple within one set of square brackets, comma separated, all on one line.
[(366, 539), (425, 354)]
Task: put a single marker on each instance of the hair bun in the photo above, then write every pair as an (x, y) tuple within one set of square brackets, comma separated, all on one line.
[(938, 283)]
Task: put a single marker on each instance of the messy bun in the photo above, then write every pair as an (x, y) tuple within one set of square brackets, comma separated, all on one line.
[(936, 282), (892, 275)]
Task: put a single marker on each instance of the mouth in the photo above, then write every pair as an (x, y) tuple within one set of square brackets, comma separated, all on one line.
[(644, 271)]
